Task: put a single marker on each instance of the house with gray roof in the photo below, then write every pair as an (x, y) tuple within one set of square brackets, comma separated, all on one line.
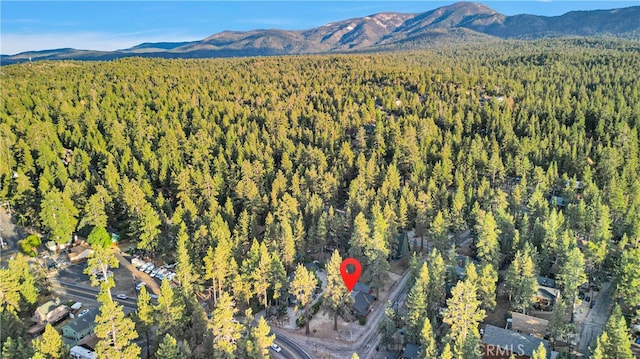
[(82, 326), (362, 299), (546, 297), (411, 351), (547, 282), (500, 343)]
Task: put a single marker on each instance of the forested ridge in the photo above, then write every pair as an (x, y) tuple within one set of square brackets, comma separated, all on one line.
[(307, 153)]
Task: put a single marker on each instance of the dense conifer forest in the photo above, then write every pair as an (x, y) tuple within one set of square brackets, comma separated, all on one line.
[(241, 168)]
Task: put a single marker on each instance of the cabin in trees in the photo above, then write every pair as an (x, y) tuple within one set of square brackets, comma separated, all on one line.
[(546, 297), (362, 300), (461, 264), (526, 324), (547, 293), (499, 343), (80, 327), (411, 351), (50, 312)]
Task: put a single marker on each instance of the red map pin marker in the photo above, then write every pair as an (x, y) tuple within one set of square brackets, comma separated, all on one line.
[(350, 275)]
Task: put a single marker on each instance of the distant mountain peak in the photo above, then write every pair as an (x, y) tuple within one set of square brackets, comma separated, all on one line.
[(459, 22)]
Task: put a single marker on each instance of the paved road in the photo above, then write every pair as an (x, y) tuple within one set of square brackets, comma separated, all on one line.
[(90, 293), (290, 349), (593, 324), (10, 234)]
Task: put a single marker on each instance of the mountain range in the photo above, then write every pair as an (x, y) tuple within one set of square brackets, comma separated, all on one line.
[(459, 22)]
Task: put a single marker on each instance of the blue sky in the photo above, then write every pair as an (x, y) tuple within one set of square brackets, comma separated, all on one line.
[(110, 25)]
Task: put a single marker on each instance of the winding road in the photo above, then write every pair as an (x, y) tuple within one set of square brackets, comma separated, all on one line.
[(290, 349)]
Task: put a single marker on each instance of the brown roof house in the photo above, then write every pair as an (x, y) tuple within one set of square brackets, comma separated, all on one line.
[(526, 324), (50, 312)]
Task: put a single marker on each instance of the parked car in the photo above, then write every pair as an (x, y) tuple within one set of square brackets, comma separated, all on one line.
[(122, 296), (593, 304), (143, 267), (161, 273), (140, 285), (276, 348), (150, 269), (101, 278), (83, 312), (154, 272), (170, 276)]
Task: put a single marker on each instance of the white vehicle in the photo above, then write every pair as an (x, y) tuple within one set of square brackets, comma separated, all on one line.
[(83, 312), (154, 272), (161, 273), (122, 296), (276, 348), (137, 262), (143, 267), (140, 285), (170, 276), (150, 269)]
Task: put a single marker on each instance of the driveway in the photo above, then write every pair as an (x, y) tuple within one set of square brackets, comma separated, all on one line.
[(592, 324), (10, 234)]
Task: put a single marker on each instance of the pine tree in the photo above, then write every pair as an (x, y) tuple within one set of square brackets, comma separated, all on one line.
[(599, 351), (487, 244), (446, 352), (614, 341), (16, 349), (557, 323), (260, 340), (387, 326), (437, 280), (99, 237), (50, 345), (184, 269), (336, 296), (487, 280), (17, 285), (428, 341), (144, 315), (359, 239), (302, 287), (261, 275), (278, 278), (521, 282), (572, 274), (417, 304), (438, 232), (94, 213), (628, 283), (115, 331), (224, 328), (217, 266), (463, 312), (540, 352), (168, 348), (169, 310), (58, 215)]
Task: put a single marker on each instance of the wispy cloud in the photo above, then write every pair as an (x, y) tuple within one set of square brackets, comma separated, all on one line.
[(16, 43)]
